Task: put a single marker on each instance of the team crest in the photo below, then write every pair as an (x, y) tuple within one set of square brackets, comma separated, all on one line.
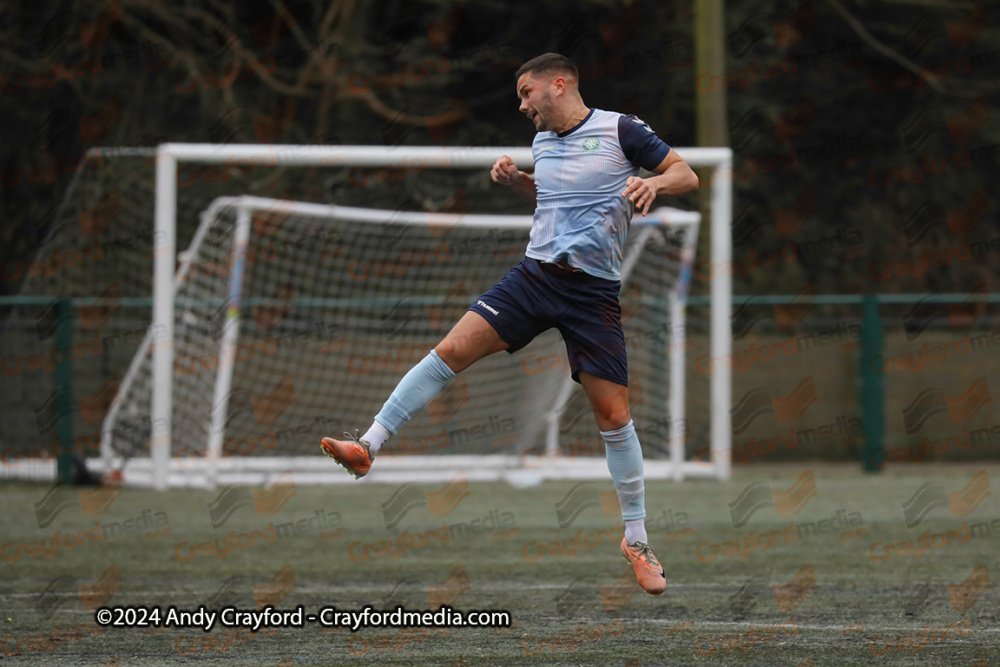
[(590, 144)]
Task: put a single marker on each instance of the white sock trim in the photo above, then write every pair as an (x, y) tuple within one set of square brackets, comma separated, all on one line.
[(635, 531), (375, 436)]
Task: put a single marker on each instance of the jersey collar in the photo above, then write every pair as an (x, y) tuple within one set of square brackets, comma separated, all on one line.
[(577, 126)]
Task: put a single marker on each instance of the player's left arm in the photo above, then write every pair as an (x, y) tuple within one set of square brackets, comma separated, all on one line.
[(673, 177)]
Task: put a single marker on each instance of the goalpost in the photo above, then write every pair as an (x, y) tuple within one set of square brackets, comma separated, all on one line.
[(242, 213)]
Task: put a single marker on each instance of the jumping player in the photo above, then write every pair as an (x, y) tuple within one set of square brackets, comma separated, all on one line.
[(585, 189)]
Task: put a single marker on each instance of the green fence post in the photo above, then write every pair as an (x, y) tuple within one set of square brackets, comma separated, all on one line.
[(64, 391), (872, 394)]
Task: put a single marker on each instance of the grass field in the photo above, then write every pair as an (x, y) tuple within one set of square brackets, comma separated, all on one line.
[(809, 594)]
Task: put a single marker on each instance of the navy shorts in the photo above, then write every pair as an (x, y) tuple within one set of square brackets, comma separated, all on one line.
[(534, 297)]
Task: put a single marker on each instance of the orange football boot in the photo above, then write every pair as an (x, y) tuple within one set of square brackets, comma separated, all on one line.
[(648, 570), (352, 453)]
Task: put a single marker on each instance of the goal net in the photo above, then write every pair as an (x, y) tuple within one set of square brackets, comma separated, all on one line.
[(284, 321), (295, 320)]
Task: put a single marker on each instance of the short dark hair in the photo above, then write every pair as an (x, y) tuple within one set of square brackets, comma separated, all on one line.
[(548, 62)]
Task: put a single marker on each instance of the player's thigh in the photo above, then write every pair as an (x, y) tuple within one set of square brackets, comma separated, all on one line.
[(608, 400), (471, 339)]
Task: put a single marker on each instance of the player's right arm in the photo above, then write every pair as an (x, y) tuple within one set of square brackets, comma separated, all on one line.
[(505, 172)]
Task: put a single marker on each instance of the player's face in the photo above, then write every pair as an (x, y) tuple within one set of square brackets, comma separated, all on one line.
[(536, 100)]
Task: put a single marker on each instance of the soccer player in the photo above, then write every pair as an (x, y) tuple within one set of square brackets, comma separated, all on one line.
[(585, 189)]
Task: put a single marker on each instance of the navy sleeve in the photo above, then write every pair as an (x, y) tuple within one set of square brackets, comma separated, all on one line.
[(640, 144)]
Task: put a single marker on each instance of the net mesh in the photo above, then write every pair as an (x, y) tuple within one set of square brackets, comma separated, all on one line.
[(333, 312), (85, 301), (95, 253)]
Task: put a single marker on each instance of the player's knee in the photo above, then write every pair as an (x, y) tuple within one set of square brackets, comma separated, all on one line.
[(457, 353), (447, 352), (613, 416)]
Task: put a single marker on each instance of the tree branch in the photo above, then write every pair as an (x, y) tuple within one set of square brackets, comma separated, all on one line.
[(889, 53), (245, 54)]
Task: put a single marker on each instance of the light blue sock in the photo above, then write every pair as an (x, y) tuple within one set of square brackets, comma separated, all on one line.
[(420, 385), (625, 464)]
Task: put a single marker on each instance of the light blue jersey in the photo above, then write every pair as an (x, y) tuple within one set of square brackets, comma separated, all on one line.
[(580, 175)]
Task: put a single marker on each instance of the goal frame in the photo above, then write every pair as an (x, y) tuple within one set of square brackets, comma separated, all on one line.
[(416, 159)]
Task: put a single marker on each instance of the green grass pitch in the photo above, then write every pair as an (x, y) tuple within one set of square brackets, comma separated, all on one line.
[(809, 593)]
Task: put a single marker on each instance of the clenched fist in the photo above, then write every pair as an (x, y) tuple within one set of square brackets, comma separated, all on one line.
[(505, 172)]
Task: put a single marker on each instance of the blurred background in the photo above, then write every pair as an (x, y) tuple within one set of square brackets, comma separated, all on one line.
[(865, 135)]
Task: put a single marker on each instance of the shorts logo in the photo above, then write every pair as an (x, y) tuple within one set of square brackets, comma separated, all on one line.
[(590, 144), (489, 308)]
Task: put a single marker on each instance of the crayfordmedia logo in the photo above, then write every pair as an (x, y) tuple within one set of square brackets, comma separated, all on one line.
[(746, 599), (154, 524), (327, 524), (786, 316), (12, 645), (744, 641), (448, 591), (361, 551), (62, 403), (786, 409), (668, 519), (569, 642), (791, 595), (495, 426), (400, 264), (960, 316), (916, 548), (277, 589), (759, 494), (407, 592), (222, 642), (99, 594), (223, 547), (848, 524), (91, 502), (919, 640), (58, 591), (916, 597), (963, 596), (582, 496), (265, 503), (406, 355), (439, 503), (615, 596), (707, 552), (235, 591), (571, 547), (933, 400), (393, 642), (185, 364), (748, 33), (580, 594), (960, 503), (500, 525), (446, 405)]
